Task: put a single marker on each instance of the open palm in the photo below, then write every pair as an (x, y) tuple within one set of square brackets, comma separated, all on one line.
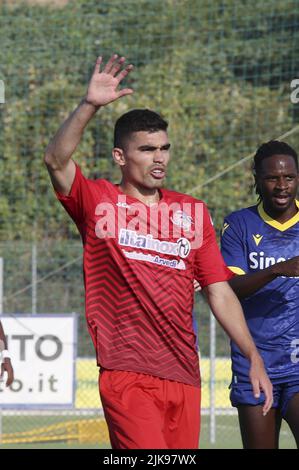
[(103, 86)]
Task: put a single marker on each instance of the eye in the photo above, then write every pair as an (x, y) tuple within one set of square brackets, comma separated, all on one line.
[(271, 178)]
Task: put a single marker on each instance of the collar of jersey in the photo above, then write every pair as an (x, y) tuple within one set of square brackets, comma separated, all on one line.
[(134, 199), (274, 223)]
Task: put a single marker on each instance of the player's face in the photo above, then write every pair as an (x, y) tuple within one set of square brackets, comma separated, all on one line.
[(277, 182), (145, 159)]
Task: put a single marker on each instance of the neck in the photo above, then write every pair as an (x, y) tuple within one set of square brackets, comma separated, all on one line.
[(145, 195), (281, 217)]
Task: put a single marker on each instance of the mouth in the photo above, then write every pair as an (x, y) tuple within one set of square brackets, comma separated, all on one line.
[(158, 173), (281, 199)]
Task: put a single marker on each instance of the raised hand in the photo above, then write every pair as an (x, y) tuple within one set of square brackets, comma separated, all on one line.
[(103, 85)]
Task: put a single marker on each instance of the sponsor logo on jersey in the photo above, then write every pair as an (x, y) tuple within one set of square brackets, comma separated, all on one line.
[(181, 247), (257, 238), (155, 259), (261, 261), (258, 260), (184, 247)]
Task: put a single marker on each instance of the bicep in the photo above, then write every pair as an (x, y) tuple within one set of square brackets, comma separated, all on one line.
[(209, 266), (62, 178)]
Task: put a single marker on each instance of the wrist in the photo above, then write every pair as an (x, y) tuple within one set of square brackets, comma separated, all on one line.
[(5, 354), (254, 356), (89, 103)]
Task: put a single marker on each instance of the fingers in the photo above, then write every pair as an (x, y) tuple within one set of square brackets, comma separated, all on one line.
[(124, 73), (196, 286), (268, 391), (124, 92), (10, 377), (111, 63), (114, 65), (10, 374), (256, 388), (267, 406), (98, 64)]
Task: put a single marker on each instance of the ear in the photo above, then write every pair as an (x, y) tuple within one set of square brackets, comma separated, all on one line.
[(118, 156), (256, 184)]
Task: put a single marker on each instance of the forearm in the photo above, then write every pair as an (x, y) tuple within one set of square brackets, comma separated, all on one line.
[(67, 138), (228, 311), (245, 285)]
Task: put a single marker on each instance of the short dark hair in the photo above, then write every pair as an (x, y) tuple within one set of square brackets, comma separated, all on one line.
[(137, 120), (268, 149)]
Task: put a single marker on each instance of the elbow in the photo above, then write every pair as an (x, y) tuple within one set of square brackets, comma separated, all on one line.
[(50, 161)]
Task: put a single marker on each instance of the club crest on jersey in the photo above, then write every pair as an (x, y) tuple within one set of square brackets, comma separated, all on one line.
[(182, 219)]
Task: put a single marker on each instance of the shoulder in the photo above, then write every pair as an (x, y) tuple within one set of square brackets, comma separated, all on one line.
[(174, 196), (239, 223), (102, 184), (241, 216)]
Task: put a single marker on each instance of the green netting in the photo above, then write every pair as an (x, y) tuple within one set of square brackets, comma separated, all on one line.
[(219, 72)]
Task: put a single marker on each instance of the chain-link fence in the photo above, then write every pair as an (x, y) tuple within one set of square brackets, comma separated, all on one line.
[(219, 72)]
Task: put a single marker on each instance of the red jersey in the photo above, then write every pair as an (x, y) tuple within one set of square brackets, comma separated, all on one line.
[(139, 266)]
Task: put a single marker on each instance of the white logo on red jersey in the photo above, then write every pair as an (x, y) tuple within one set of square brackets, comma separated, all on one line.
[(181, 247)]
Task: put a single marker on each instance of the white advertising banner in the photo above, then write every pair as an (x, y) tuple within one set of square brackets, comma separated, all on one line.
[(43, 352)]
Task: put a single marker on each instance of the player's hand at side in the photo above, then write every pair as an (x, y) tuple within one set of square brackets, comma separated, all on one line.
[(6, 366), (104, 84), (196, 286), (287, 268), (260, 381)]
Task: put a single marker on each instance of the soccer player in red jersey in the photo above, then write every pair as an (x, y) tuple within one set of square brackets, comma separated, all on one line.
[(143, 246)]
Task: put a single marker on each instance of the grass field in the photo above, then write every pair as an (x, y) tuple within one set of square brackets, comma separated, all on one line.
[(227, 436)]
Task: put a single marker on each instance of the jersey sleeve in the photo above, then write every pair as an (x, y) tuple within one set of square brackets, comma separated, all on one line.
[(77, 202), (209, 264), (232, 246)]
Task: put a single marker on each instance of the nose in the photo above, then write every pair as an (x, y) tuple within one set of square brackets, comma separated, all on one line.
[(282, 183), (158, 156)]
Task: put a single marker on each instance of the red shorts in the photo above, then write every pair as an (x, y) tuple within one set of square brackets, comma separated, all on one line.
[(146, 412)]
